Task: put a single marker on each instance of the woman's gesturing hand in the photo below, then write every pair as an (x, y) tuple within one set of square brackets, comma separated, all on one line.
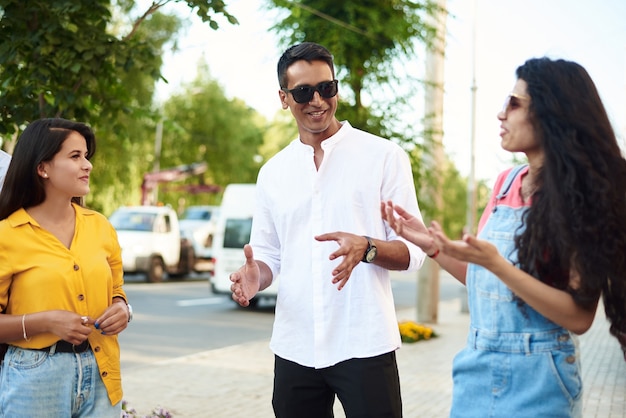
[(408, 226), (470, 249)]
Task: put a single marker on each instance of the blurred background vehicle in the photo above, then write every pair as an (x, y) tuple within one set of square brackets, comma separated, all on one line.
[(231, 234), (151, 242), (197, 225)]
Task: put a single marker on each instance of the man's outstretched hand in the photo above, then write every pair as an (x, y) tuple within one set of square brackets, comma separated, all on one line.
[(246, 280)]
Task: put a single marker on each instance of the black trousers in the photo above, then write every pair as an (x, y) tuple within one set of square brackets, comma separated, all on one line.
[(366, 388)]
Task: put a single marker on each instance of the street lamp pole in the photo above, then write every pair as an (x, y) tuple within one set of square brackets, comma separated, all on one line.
[(471, 189), (470, 226), (428, 277)]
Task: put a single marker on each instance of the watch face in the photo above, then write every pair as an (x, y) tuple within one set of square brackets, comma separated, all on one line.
[(371, 255)]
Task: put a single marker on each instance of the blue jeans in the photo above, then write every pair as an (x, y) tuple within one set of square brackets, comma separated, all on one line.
[(37, 384)]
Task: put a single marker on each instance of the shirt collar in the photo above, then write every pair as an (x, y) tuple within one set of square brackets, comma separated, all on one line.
[(333, 140), (21, 217), (338, 136)]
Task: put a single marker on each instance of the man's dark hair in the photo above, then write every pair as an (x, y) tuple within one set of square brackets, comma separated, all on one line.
[(308, 51)]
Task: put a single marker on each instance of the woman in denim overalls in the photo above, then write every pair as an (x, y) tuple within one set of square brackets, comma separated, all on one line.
[(550, 243)]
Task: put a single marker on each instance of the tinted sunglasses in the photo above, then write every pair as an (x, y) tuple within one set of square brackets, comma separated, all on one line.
[(304, 94), (513, 101)]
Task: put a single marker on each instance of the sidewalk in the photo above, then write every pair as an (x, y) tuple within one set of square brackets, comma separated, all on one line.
[(236, 381)]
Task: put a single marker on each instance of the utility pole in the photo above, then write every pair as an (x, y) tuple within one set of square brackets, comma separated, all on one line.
[(428, 278), (470, 225), (471, 184)]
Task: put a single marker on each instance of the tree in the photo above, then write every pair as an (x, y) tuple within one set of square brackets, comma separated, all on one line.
[(203, 125), (101, 71), (282, 130), (58, 58), (125, 154)]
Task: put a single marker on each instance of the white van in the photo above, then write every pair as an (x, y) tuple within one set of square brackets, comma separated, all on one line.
[(232, 233)]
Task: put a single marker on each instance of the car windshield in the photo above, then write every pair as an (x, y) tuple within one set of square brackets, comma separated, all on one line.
[(132, 221), (197, 214)]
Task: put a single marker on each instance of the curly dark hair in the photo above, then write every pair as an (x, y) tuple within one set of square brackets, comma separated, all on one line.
[(577, 219)]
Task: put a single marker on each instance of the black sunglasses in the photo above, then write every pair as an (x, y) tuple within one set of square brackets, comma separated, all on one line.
[(304, 94)]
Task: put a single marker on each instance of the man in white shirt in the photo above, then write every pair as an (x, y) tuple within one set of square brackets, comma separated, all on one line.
[(318, 224), (5, 159)]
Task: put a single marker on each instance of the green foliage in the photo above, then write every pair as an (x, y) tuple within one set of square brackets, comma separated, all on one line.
[(206, 10), (202, 125), (281, 131), (80, 59), (58, 58), (51, 66), (125, 154)]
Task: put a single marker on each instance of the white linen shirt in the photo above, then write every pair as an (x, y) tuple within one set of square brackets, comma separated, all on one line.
[(315, 324), (5, 159)]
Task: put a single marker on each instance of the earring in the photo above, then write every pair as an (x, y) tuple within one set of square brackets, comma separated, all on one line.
[(45, 175)]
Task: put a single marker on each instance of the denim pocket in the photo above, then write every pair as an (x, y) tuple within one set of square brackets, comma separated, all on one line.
[(21, 359), (566, 370)]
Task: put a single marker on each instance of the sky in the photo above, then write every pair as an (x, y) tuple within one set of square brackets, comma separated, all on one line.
[(486, 41)]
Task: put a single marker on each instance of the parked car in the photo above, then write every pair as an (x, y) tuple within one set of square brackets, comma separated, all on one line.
[(151, 242), (232, 233), (197, 224)]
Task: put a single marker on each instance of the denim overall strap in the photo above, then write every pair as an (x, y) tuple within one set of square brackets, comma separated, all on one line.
[(506, 186)]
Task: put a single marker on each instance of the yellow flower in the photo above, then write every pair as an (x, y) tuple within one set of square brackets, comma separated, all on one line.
[(411, 332)]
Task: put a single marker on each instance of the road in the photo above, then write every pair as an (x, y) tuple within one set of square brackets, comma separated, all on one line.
[(178, 318)]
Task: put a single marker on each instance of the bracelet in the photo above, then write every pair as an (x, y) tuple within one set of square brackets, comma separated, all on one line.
[(24, 328), (435, 254)]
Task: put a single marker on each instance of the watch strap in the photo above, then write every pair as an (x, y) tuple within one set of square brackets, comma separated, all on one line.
[(371, 247)]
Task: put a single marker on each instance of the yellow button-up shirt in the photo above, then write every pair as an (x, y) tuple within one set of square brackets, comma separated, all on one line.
[(38, 273)]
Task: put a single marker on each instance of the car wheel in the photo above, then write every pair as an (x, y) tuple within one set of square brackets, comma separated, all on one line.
[(185, 262), (156, 270)]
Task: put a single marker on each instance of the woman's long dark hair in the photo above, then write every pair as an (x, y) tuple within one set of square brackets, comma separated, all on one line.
[(578, 215), (40, 142)]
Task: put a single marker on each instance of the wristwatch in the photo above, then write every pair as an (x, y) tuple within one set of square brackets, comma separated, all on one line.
[(371, 252), (130, 308)]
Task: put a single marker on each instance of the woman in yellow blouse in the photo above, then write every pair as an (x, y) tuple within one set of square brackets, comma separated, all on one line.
[(60, 281)]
